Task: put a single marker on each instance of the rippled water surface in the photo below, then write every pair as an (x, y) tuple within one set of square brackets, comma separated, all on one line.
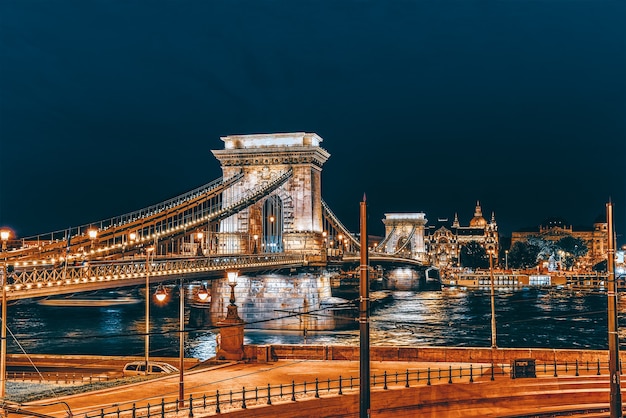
[(525, 318)]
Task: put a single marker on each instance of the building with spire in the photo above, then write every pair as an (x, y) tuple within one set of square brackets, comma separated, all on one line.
[(444, 239)]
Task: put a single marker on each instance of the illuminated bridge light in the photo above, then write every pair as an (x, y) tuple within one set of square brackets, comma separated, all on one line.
[(17, 287), (39, 285), (28, 286)]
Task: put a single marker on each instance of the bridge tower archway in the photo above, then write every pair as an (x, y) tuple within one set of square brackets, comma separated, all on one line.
[(287, 167), (273, 225), (404, 235)]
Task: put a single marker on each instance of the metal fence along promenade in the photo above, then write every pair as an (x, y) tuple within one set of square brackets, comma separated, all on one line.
[(217, 402)]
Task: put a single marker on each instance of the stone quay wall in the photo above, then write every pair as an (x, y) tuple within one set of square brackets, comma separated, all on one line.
[(267, 353)]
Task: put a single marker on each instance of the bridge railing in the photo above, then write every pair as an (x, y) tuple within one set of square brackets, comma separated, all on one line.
[(37, 276), (62, 235)]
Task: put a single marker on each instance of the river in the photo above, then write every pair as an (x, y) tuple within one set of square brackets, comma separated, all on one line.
[(533, 318)]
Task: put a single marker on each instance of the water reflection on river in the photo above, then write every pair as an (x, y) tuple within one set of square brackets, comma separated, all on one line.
[(525, 318)]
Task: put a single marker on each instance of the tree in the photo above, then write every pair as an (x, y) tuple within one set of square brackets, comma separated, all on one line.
[(572, 248), (473, 255), (524, 255)]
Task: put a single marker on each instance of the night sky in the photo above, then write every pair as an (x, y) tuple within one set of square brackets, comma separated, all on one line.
[(426, 106)]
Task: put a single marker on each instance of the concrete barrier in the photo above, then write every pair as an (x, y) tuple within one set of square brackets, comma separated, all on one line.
[(429, 354)]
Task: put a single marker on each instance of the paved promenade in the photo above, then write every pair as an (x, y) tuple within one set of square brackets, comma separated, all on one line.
[(502, 397)]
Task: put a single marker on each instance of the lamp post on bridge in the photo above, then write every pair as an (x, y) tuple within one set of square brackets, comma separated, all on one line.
[(4, 235)]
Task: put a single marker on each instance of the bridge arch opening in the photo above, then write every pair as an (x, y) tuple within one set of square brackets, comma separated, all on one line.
[(273, 225), (404, 246)]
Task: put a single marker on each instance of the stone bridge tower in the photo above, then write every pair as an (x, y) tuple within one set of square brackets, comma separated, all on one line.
[(288, 218), (404, 235)]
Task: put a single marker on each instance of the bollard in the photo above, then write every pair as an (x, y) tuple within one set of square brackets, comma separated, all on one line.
[(293, 390), (555, 374), (190, 405), (256, 394), (231, 397), (439, 373), (305, 387), (328, 385), (217, 402), (148, 409), (162, 408), (460, 372), (471, 374), (396, 377), (340, 391), (351, 387), (269, 395), (565, 367), (428, 380), (492, 376), (102, 413), (450, 374), (406, 384), (317, 394), (243, 398), (577, 368), (118, 412), (385, 379), (134, 413), (281, 390), (418, 377), (178, 402), (204, 401), (598, 367)]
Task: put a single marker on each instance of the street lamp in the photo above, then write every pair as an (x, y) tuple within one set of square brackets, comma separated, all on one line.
[(200, 235), (506, 260), (232, 282), (202, 295), (493, 305), (147, 341), (161, 294), (93, 233), (4, 236)]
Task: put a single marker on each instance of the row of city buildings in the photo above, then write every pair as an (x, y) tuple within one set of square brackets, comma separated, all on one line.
[(439, 243)]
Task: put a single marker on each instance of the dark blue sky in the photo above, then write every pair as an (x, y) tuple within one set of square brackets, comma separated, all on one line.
[(109, 106)]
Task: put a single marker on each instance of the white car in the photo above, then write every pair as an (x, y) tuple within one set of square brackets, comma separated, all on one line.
[(136, 368)]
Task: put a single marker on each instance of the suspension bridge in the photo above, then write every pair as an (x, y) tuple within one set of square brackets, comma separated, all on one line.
[(265, 213)]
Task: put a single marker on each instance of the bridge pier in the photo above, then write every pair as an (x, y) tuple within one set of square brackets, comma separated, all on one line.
[(292, 302)]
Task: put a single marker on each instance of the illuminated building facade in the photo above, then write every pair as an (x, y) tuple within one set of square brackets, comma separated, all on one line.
[(444, 239), (554, 229)]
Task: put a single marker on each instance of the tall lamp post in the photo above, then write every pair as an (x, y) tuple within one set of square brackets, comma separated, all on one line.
[(4, 235), (493, 305), (506, 260), (614, 366), (161, 294), (147, 341)]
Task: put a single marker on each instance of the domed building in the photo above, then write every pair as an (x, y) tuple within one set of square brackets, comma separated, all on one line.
[(444, 239)]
